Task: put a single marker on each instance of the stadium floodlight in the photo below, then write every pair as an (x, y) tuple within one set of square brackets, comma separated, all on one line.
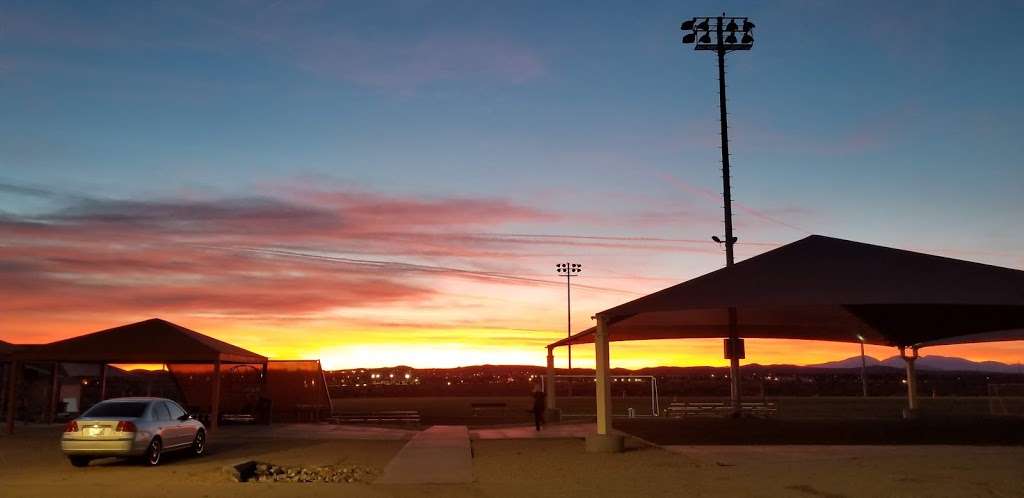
[(568, 270), (724, 28)]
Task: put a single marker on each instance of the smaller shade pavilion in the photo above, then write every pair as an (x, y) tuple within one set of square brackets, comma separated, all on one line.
[(826, 289), (153, 341)]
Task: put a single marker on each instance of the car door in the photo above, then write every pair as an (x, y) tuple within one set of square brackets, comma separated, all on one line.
[(183, 432), (165, 425)]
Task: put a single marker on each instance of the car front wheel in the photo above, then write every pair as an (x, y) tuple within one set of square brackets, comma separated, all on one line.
[(79, 461), (153, 452), (199, 443)]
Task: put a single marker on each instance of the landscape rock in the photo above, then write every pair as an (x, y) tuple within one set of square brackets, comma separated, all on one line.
[(268, 472)]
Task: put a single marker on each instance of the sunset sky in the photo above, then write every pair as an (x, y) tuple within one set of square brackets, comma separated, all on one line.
[(383, 183)]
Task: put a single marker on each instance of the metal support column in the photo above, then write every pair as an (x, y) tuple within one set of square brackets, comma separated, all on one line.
[(103, 381), (604, 441), (51, 408), (912, 406), (12, 391), (863, 370), (550, 380), (215, 397), (604, 385)]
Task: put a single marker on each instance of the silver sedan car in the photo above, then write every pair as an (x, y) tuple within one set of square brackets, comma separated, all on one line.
[(132, 427)]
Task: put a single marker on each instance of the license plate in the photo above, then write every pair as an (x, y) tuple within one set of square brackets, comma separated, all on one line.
[(94, 431)]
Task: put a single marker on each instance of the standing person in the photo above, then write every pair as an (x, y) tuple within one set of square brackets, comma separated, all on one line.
[(539, 405)]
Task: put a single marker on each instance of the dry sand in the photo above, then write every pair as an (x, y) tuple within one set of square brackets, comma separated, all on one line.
[(31, 466)]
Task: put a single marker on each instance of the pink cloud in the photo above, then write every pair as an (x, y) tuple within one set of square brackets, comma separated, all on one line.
[(262, 256)]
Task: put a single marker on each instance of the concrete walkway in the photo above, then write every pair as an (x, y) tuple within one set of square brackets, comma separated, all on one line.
[(438, 455)]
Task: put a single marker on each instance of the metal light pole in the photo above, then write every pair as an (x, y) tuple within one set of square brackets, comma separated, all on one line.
[(725, 30), (568, 270), (863, 368)]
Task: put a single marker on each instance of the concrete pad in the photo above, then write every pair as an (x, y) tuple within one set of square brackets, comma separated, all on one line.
[(551, 431), (438, 455), (606, 443)]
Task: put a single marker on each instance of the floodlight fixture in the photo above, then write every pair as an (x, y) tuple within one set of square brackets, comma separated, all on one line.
[(724, 28)]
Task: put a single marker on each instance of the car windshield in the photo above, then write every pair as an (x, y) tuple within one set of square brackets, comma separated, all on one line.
[(117, 409)]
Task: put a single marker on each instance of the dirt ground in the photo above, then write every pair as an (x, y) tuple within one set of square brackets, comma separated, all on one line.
[(31, 465)]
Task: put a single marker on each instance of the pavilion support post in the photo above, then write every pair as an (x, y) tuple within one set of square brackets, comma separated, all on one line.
[(12, 390), (734, 365), (912, 409), (51, 407), (552, 414), (215, 397), (103, 381), (605, 441), (266, 408)]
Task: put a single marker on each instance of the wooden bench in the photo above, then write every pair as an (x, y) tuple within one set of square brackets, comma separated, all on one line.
[(239, 418), (489, 406), (405, 416), (718, 409)]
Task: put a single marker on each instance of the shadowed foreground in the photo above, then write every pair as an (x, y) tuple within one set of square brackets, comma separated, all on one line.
[(31, 466)]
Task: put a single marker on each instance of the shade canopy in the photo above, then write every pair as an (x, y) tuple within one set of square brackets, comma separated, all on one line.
[(149, 341), (823, 288), (5, 350)]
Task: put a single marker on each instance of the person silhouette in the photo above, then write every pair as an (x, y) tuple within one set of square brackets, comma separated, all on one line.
[(539, 405)]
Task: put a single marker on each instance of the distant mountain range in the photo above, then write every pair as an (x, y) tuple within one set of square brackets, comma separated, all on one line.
[(931, 362)]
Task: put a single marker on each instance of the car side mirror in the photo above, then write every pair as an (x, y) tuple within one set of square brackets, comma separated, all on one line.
[(187, 416)]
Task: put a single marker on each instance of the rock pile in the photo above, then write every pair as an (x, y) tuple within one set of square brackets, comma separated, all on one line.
[(268, 472)]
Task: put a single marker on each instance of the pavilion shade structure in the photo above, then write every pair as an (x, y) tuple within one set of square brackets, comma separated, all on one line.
[(149, 341), (295, 389), (6, 349), (822, 288)]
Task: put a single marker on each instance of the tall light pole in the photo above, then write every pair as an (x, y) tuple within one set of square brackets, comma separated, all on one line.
[(725, 30), (568, 270)]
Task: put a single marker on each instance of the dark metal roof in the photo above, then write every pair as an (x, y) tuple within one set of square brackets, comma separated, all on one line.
[(823, 288), (149, 341)]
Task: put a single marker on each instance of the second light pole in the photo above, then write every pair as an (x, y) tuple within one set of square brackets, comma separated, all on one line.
[(569, 270)]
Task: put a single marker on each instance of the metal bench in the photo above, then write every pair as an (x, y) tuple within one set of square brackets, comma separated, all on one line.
[(405, 416), (490, 406), (718, 409)]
